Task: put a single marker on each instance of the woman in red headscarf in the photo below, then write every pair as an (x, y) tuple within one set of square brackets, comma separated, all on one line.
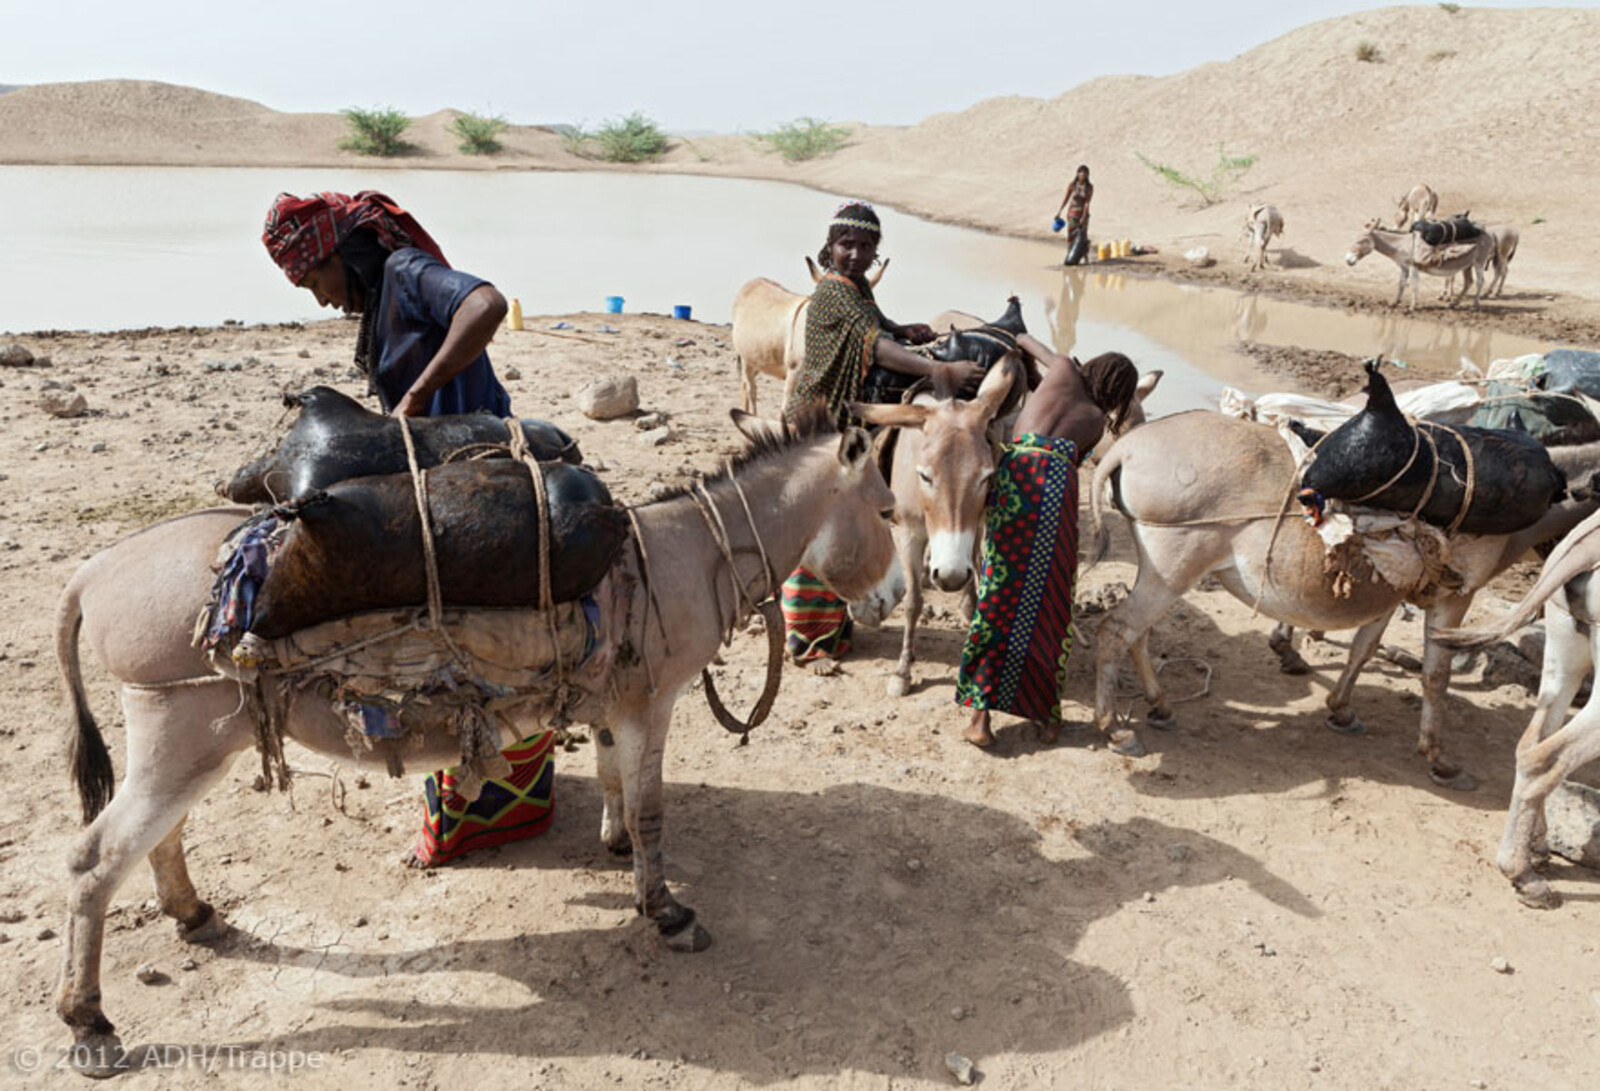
[(424, 325), (424, 331)]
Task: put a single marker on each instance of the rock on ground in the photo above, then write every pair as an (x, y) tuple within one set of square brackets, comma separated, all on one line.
[(607, 399)]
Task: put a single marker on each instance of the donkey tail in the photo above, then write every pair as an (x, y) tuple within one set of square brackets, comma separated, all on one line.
[(91, 762), (1102, 489), (1579, 552)]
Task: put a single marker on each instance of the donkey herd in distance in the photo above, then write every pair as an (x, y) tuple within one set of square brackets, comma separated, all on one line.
[(1203, 494)]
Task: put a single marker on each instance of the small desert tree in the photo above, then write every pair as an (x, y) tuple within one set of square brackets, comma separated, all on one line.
[(375, 132), (805, 138), (1227, 170), (478, 134)]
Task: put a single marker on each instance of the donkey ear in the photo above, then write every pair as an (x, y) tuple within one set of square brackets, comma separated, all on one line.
[(872, 280), (1147, 385), (757, 429), (997, 385), (855, 448), (811, 267), (892, 414)]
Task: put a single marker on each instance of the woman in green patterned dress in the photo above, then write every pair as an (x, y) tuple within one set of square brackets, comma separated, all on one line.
[(846, 334)]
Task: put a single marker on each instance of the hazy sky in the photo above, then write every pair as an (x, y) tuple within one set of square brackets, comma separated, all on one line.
[(720, 65)]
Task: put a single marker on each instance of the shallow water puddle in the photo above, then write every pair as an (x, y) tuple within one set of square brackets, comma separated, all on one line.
[(130, 247)]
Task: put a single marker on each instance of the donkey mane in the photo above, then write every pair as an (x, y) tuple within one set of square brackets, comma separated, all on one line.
[(807, 423)]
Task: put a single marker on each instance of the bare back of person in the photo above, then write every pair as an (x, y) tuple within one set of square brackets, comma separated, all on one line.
[(1061, 406)]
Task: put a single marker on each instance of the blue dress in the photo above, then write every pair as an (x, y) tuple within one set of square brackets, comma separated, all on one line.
[(420, 296)]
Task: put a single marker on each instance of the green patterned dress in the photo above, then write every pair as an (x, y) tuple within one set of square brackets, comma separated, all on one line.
[(842, 328)]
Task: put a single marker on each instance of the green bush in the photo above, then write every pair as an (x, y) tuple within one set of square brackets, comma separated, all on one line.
[(1451, 8), (1227, 170), (631, 139), (376, 131), (478, 133), (1368, 52), (805, 138)]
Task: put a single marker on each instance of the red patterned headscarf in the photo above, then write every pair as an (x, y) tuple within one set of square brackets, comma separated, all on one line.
[(303, 232)]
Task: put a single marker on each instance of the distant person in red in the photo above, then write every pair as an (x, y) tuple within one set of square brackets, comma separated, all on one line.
[(1075, 209)]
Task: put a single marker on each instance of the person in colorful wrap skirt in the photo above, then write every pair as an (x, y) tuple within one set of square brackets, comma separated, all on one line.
[(425, 328), (1015, 656), (1075, 204), (846, 334)]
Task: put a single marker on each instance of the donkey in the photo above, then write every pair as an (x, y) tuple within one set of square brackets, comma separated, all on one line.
[(1418, 203), (1205, 494), (801, 494), (1548, 751), (1261, 226), (943, 462), (1506, 239), (769, 331), (1470, 259)]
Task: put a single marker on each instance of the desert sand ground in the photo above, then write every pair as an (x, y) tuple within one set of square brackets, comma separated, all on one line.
[(1259, 903)]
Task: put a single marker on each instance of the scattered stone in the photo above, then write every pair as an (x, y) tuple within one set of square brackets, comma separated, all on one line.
[(1314, 1067), (188, 965), (512, 374), (60, 403), (97, 447), (149, 975), (598, 465), (913, 865), (961, 1068), (607, 399), (12, 916), (14, 355), (304, 354), (1401, 658), (46, 933), (1503, 665), (1199, 257), (1102, 599), (1572, 818), (647, 421), (653, 491), (1479, 1084), (1499, 965), (656, 436), (1149, 896), (958, 1013), (361, 922)]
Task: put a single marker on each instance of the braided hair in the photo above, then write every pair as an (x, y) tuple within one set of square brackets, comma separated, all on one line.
[(850, 216), (1112, 381)]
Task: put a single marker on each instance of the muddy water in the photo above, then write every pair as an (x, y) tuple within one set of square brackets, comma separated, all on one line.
[(117, 247)]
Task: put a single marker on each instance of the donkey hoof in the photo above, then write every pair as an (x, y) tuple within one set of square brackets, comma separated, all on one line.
[(1537, 894), (1128, 745), (899, 685), (208, 927), (99, 1055), (1293, 663), (622, 848), (1162, 719), (1457, 780), (688, 940), (681, 932), (1350, 725)]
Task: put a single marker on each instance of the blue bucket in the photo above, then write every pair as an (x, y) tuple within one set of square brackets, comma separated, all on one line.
[(613, 304), (681, 310)]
